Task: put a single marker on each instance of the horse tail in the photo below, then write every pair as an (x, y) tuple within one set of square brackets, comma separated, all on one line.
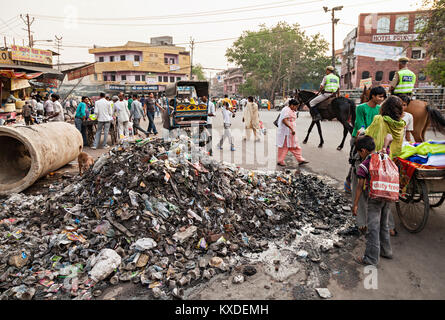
[(436, 119), (352, 108)]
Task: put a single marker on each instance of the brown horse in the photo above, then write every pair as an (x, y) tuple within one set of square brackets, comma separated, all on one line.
[(423, 116)]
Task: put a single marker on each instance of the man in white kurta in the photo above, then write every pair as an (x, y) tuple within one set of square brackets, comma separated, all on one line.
[(123, 115), (251, 119)]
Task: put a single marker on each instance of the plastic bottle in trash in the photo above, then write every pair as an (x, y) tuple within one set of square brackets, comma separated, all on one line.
[(130, 134)]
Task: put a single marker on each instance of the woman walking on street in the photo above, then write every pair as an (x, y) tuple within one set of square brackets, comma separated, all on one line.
[(286, 135)]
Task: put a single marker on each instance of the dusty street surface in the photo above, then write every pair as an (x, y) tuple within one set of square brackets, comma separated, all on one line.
[(416, 272)]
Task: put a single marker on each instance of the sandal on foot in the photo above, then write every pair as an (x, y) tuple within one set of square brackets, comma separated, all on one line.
[(359, 260), (303, 162), (281, 164)]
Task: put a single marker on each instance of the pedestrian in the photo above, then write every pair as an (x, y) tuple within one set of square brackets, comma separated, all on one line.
[(286, 136), (123, 115), (227, 115), (160, 103), (365, 114), (377, 236), (130, 101), (48, 106), (80, 117), (39, 106), (27, 112), (102, 110), (389, 121), (251, 119), (136, 113), (210, 114), (149, 110), (408, 118), (58, 114)]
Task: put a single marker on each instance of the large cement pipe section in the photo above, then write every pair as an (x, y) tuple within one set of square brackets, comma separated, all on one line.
[(28, 153)]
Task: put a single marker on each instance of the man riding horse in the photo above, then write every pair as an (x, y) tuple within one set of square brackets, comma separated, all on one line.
[(330, 87), (404, 79)]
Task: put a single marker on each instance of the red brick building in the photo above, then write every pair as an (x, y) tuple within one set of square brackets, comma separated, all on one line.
[(398, 31)]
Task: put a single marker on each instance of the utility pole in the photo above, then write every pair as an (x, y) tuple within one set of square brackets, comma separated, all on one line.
[(192, 47), (58, 44), (334, 22), (28, 25)]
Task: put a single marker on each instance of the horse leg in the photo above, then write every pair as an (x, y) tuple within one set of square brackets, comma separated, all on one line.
[(308, 132), (345, 134), (320, 134)]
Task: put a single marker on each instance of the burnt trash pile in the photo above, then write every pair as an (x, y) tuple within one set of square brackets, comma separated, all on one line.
[(162, 214)]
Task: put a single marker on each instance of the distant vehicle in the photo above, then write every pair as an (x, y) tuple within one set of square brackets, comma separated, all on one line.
[(264, 103), (279, 103)]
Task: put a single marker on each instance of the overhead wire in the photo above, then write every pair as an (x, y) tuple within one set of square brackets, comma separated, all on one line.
[(201, 13)]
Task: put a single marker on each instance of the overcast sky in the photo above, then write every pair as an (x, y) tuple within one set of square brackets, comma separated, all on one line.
[(83, 23)]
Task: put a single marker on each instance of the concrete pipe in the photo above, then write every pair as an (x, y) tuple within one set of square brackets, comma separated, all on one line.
[(28, 153)]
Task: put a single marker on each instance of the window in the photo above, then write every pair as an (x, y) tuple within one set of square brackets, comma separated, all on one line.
[(95, 77), (111, 58), (136, 58), (365, 74), (402, 24), (368, 24), (137, 78), (123, 77), (165, 79), (166, 60), (418, 53), (419, 23), (101, 59), (391, 75), (422, 76), (113, 77), (383, 25), (159, 78), (105, 78), (178, 78), (122, 57), (172, 60), (172, 79), (379, 76), (143, 77)]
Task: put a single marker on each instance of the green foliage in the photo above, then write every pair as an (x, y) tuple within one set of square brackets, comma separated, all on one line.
[(436, 70), (277, 57), (432, 36), (197, 71)]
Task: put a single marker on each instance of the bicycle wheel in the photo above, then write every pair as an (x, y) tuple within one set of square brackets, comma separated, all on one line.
[(436, 199), (412, 212)]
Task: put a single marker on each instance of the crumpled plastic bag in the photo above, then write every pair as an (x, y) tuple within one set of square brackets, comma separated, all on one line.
[(144, 244), (104, 264)]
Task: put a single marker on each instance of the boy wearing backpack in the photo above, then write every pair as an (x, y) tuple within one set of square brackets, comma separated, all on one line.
[(377, 235)]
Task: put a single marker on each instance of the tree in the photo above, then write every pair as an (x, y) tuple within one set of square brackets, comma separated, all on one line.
[(432, 36), (197, 71), (277, 57)]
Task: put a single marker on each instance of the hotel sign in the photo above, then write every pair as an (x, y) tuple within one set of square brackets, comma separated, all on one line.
[(394, 37)]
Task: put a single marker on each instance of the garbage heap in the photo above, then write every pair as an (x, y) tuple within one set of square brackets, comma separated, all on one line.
[(162, 214)]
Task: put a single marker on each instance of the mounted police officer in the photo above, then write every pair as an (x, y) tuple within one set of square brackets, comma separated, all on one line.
[(404, 79), (329, 87)]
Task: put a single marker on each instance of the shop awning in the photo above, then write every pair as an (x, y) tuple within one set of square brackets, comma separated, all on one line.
[(19, 75), (45, 72), (80, 72)]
